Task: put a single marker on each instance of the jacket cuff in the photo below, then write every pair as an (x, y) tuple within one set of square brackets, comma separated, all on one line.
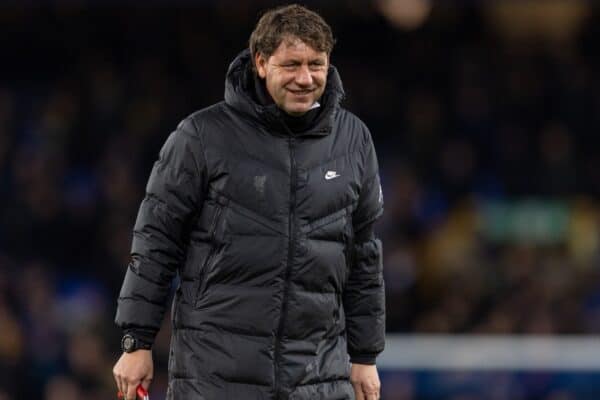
[(144, 337), (366, 359)]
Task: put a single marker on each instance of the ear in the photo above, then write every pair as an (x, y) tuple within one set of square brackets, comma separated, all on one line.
[(261, 62)]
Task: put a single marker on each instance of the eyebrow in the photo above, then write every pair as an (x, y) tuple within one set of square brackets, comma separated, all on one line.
[(298, 61)]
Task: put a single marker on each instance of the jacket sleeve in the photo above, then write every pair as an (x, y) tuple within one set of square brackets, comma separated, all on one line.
[(364, 297), (173, 194)]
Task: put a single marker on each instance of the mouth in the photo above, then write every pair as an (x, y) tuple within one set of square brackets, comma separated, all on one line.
[(302, 92)]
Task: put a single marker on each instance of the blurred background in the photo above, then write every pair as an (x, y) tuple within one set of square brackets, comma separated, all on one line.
[(485, 116)]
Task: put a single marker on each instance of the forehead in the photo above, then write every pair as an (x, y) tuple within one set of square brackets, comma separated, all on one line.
[(296, 48)]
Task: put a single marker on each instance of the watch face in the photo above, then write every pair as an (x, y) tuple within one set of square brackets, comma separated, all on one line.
[(128, 343)]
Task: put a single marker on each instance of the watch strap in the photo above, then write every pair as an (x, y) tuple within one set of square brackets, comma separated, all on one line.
[(139, 342), (143, 337)]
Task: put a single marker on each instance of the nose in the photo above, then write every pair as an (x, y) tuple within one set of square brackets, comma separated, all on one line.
[(303, 76)]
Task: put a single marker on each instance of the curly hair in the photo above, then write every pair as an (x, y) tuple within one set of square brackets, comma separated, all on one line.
[(294, 21)]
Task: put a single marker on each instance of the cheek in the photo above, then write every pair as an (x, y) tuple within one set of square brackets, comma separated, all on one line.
[(321, 79), (272, 87), (275, 83)]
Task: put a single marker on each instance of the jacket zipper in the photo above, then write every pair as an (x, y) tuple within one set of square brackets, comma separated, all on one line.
[(211, 253), (292, 217)]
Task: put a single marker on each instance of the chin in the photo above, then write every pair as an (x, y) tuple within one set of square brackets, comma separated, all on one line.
[(297, 110)]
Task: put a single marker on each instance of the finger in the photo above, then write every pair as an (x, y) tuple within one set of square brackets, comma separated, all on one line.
[(372, 396), (124, 387), (131, 390), (371, 392), (146, 383), (358, 391), (119, 382)]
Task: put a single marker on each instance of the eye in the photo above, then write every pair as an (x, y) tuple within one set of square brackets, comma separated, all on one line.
[(289, 66), (316, 66)]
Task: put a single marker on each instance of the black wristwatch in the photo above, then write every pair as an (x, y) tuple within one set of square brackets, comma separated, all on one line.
[(130, 343)]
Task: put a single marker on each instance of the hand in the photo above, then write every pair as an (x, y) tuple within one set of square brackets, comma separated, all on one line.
[(133, 369), (365, 380)]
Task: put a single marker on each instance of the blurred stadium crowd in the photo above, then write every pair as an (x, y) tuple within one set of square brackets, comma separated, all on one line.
[(487, 144)]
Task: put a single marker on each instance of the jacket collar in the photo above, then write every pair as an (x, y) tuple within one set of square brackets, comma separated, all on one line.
[(239, 87)]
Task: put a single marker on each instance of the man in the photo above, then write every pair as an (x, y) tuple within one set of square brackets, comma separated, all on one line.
[(263, 205)]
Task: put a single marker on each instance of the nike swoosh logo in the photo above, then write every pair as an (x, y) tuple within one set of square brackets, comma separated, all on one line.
[(331, 174)]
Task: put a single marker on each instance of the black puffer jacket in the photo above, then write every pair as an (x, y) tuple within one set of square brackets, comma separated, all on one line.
[(275, 294)]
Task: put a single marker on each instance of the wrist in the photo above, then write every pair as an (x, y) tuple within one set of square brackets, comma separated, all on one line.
[(131, 341), (365, 359)]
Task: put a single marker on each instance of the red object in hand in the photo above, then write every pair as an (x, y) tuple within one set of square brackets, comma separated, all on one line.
[(141, 392)]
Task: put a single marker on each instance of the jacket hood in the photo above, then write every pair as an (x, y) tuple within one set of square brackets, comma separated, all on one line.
[(238, 87)]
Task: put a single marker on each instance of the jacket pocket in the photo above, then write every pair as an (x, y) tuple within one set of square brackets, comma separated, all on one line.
[(203, 276)]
